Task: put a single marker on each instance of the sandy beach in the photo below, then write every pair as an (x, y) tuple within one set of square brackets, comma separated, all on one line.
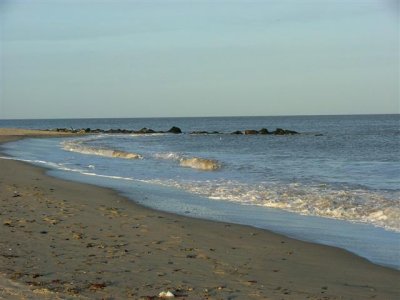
[(66, 240)]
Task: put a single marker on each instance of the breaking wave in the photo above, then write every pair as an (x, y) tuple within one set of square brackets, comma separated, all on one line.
[(199, 163), (351, 205), (79, 146)]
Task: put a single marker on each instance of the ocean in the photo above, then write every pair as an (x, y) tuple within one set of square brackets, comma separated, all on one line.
[(336, 183)]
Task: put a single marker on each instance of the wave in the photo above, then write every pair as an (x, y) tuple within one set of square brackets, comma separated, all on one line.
[(126, 155), (199, 163), (361, 206), (80, 147), (350, 205), (168, 155)]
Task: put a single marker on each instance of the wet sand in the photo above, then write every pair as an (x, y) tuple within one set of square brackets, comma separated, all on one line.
[(67, 240)]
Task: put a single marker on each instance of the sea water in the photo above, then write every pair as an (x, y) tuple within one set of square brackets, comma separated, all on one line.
[(336, 183)]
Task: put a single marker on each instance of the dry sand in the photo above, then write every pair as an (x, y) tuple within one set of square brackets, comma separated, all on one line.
[(66, 240)]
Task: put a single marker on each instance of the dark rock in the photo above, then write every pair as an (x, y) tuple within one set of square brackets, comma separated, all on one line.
[(237, 132), (250, 131), (175, 130), (263, 131), (146, 130), (87, 130), (114, 131), (126, 131), (62, 130), (291, 132), (280, 131)]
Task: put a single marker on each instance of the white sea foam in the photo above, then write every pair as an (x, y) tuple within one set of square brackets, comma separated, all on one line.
[(80, 146), (62, 167), (315, 201), (352, 205), (168, 155)]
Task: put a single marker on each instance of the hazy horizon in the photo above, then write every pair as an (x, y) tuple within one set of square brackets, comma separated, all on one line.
[(183, 117), (139, 59)]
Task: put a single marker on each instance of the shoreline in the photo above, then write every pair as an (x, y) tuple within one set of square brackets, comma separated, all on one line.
[(74, 240)]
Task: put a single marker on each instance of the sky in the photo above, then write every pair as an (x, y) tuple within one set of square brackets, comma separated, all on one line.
[(77, 59)]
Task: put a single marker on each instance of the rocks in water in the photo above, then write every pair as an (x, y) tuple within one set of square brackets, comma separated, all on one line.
[(114, 131), (237, 132), (263, 131), (280, 131), (145, 130), (175, 130), (250, 131), (63, 130)]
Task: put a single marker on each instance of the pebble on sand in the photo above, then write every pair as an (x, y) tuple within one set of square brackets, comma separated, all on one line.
[(167, 294)]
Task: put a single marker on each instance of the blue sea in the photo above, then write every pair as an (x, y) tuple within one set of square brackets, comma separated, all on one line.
[(336, 183)]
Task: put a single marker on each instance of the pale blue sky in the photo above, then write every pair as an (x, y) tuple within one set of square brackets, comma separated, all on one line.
[(66, 58)]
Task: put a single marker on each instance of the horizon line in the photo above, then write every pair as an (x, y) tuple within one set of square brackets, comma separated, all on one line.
[(185, 117)]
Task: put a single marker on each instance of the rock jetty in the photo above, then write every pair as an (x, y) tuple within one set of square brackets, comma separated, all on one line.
[(173, 130)]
